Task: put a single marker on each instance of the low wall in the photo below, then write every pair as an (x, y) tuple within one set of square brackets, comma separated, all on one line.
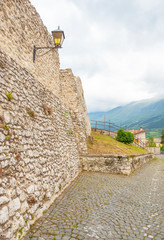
[(114, 163), (154, 150)]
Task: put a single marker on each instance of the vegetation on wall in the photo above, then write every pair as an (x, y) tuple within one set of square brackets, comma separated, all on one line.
[(2, 65), (47, 110), (6, 129), (9, 96), (66, 114), (31, 113), (70, 132)]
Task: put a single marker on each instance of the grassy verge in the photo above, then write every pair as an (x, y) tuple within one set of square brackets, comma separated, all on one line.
[(103, 144)]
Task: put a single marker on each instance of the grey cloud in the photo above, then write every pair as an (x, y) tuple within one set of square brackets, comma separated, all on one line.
[(142, 25), (155, 83)]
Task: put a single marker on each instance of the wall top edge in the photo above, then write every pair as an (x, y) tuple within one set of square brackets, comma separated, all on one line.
[(116, 155)]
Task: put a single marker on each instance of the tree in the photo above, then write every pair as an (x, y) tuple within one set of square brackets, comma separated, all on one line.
[(130, 137), (162, 147), (125, 137), (162, 137), (151, 142)]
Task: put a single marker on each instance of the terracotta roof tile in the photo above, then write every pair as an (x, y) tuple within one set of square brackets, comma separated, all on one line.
[(138, 131)]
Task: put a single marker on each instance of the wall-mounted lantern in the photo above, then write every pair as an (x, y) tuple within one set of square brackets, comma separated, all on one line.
[(58, 38)]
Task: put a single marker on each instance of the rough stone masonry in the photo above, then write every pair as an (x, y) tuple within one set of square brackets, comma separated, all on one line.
[(41, 132), (38, 151)]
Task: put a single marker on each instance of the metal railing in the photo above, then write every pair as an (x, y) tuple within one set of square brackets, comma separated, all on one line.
[(108, 126), (139, 143)]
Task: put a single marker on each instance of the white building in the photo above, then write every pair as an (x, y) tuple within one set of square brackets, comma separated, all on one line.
[(139, 134)]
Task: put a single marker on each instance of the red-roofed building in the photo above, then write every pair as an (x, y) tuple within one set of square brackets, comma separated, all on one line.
[(139, 134)]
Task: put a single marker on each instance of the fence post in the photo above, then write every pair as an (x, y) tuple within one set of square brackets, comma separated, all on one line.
[(104, 122)]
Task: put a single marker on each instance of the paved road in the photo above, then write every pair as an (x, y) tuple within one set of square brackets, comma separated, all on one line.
[(161, 156), (104, 206)]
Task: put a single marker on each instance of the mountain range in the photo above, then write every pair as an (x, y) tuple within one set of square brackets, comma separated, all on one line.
[(146, 113)]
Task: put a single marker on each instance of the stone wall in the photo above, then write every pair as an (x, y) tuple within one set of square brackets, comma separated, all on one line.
[(43, 120), (154, 150), (20, 29), (73, 96), (114, 163), (38, 150), (82, 104)]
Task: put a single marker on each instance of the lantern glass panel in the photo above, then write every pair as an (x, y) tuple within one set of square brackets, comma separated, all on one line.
[(58, 37)]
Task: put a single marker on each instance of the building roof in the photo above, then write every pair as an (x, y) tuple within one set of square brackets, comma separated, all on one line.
[(138, 131)]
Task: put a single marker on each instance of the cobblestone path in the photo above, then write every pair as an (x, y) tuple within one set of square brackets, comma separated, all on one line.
[(105, 206)]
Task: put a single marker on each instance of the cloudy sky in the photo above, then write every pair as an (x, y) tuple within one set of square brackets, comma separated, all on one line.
[(115, 46)]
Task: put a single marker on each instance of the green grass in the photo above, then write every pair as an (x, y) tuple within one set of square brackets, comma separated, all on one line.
[(104, 144)]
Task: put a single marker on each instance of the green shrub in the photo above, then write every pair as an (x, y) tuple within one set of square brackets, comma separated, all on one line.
[(151, 142), (130, 137), (121, 135), (162, 137), (125, 137), (162, 147), (152, 145)]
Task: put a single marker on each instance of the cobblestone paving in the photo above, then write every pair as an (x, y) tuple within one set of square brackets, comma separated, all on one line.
[(104, 206)]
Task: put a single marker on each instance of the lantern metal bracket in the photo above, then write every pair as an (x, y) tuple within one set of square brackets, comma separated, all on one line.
[(36, 48)]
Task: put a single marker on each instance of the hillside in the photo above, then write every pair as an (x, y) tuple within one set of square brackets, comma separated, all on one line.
[(104, 144), (147, 113)]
